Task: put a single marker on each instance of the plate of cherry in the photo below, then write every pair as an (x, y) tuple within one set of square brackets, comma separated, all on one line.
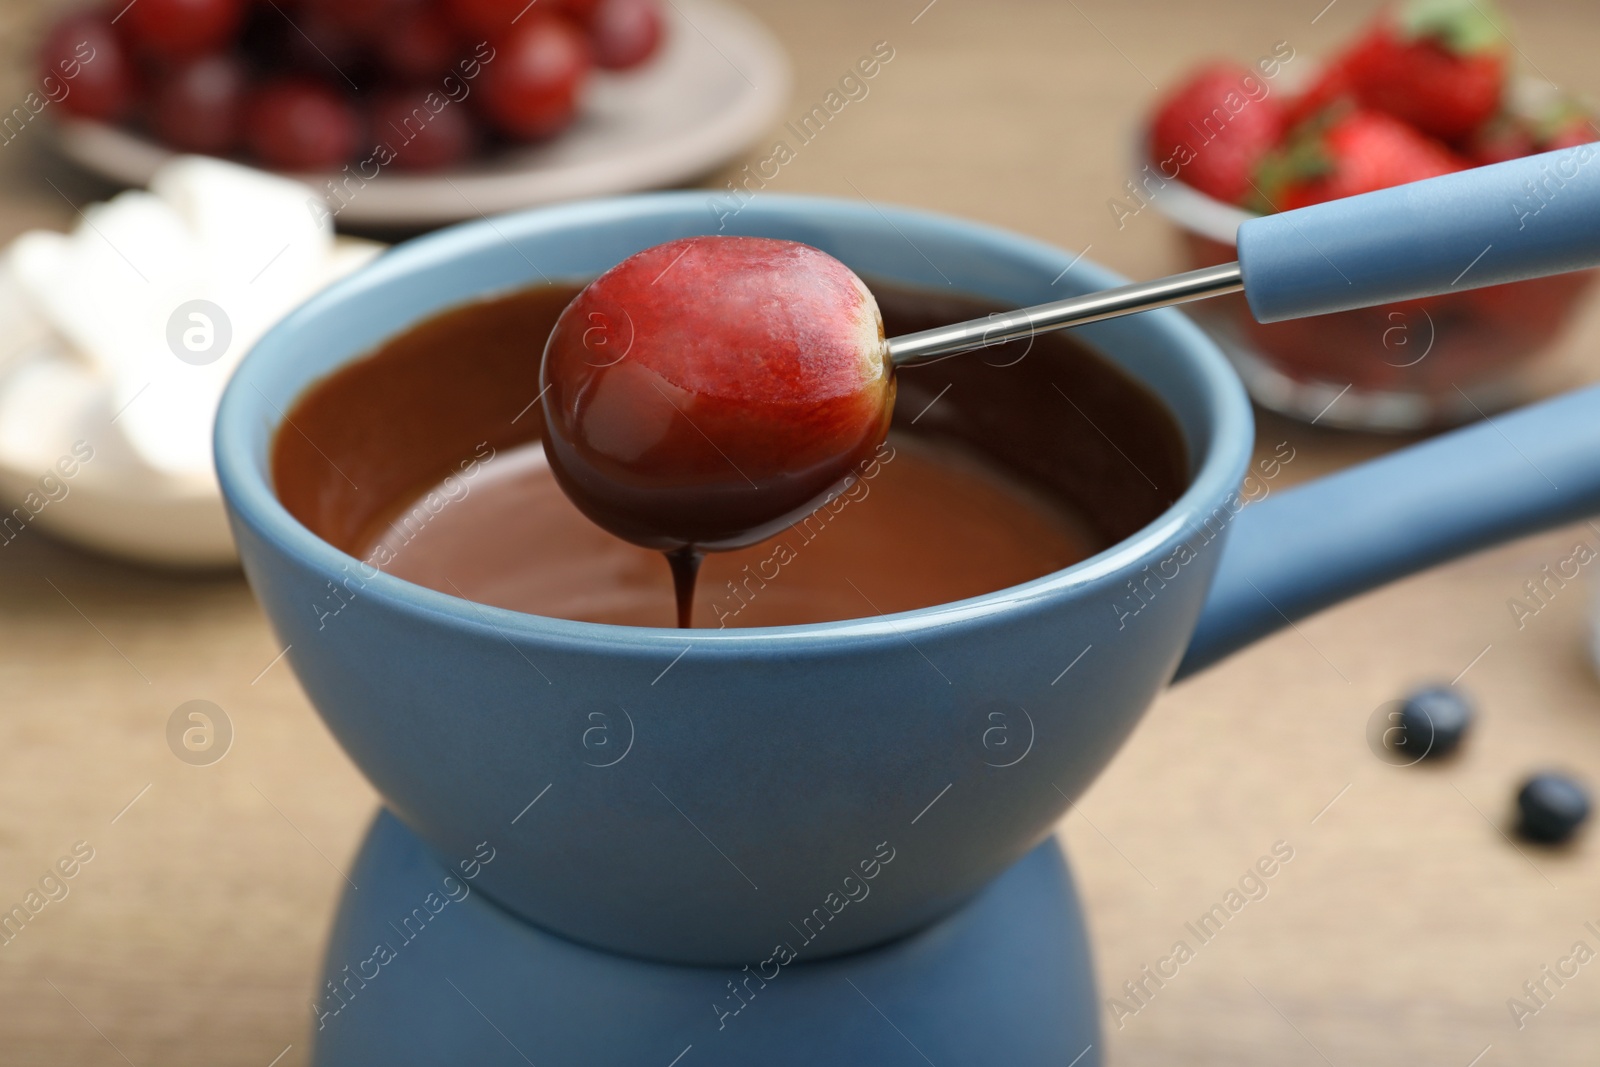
[(418, 112)]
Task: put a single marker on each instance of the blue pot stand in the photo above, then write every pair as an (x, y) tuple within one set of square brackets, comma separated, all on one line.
[(423, 968)]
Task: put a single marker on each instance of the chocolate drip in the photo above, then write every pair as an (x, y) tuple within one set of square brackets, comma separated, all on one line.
[(685, 565)]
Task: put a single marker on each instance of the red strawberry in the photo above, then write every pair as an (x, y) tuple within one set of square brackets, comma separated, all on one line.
[(1578, 129), (1501, 138), (1438, 64), (1361, 152), (1558, 123), (1214, 129), (1332, 87)]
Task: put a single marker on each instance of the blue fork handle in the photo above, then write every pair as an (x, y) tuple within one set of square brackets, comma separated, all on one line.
[(1311, 546), (1506, 223), (1503, 223)]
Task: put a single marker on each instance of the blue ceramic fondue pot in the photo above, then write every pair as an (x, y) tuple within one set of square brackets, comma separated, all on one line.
[(823, 786)]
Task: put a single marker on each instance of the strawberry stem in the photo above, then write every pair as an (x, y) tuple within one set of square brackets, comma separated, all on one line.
[(1464, 27)]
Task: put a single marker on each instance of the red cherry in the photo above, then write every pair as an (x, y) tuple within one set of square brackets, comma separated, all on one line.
[(489, 18), (624, 33), (182, 29), (423, 138), (301, 125), (419, 44), (197, 107), (83, 57), (530, 89), (706, 392)]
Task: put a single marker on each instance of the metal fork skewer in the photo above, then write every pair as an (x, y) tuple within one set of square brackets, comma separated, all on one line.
[(914, 348)]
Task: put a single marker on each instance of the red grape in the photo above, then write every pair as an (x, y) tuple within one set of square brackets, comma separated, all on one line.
[(264, 38), (491, 18), (301, 125), (182, 29), (530, 90), (624, 33), (322, 46), (423, 139), (83, 53), (196, 108), (579, 11), (776, 348), (419, 45), (366, 19)]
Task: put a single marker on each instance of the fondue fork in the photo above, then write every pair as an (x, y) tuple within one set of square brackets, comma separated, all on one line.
[(1508, 222)]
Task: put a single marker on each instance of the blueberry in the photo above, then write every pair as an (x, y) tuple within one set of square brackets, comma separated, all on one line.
[(1552, 806), (1433, 721)]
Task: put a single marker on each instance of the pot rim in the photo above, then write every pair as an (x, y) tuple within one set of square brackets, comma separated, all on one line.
[(247, 420)]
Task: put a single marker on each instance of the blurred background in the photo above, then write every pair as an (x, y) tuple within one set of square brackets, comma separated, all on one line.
[(1412, 913)]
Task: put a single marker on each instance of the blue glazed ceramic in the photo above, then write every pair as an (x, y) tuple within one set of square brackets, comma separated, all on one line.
[(421, 969), (767, 769)]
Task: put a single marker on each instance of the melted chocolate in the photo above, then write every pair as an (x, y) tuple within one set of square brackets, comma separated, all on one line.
[(999, 469), (685, 566)]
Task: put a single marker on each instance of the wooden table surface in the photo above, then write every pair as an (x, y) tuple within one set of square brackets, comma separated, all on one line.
[(1403, 924)]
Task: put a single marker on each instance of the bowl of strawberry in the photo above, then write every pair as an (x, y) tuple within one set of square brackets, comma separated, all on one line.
[(445, 108), (1428, 88)]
